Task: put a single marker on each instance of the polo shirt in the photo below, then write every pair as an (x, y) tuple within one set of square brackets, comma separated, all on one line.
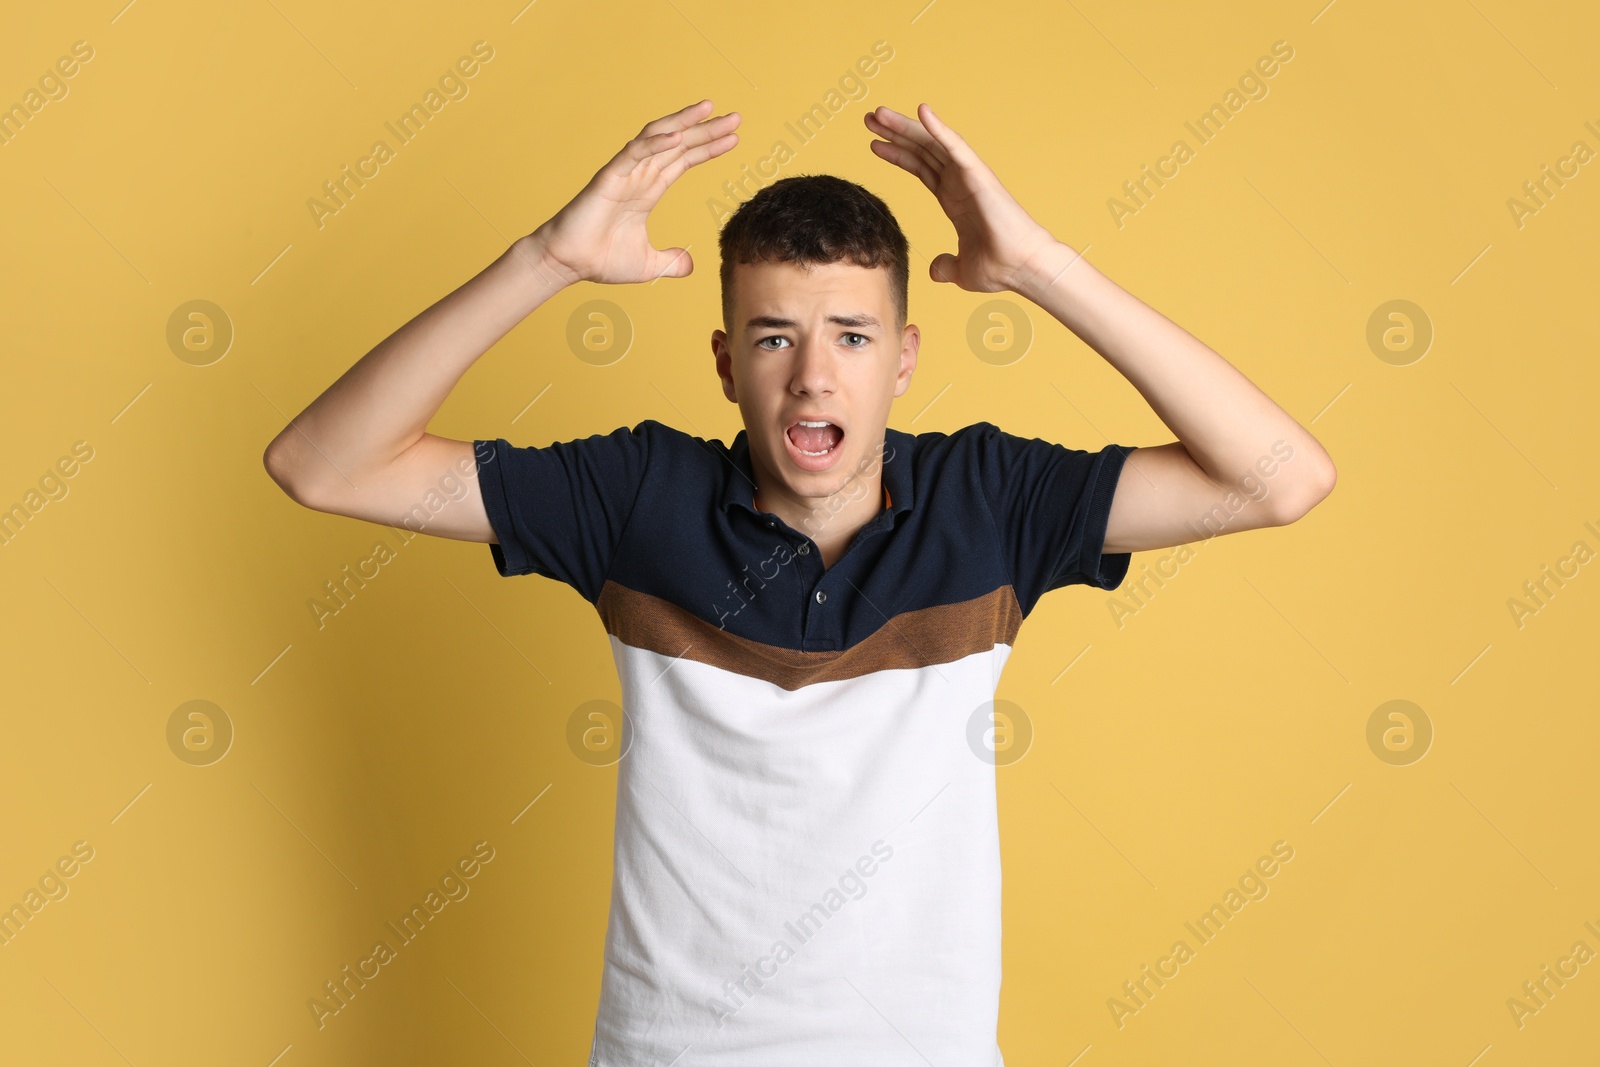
[(806, 859)]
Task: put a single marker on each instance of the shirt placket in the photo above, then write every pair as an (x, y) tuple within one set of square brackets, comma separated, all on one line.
[(822, 617)]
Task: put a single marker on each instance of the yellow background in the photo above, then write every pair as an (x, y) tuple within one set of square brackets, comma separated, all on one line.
[(1227, 714)]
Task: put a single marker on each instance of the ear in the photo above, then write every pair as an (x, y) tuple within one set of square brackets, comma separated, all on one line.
[(910, 341), (723, 355)]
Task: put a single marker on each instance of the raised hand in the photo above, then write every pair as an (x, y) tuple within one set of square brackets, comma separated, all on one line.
[(999, 245), (600, 235)]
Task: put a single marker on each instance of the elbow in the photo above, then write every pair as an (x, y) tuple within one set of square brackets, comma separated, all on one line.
[(286, 471), (1299, 504)]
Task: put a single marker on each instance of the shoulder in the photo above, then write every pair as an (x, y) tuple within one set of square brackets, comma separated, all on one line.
[(940, 449), (647, 439), (993, 449), (682, 467), (963, 437), (672, 447), (612, 459)]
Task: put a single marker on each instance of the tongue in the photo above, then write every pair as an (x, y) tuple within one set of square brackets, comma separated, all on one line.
[(815, 438)]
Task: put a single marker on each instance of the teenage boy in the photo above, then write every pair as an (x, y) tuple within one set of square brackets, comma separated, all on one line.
[(809, 624)]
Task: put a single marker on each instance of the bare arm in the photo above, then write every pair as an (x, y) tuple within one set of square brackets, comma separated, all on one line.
[(1240, 462), (362, 448)]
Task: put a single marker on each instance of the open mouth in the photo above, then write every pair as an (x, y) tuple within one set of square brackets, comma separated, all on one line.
[(814, 439)]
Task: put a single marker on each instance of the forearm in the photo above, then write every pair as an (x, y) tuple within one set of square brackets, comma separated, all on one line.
[(1221, 418), (381, 406)]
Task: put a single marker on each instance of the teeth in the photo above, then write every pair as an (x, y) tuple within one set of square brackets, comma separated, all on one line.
[(808, 422)]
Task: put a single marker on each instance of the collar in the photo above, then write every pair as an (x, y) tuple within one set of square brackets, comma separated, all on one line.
[(739, 487)]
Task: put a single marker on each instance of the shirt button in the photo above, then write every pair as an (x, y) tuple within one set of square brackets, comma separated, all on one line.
[(822, 595), (771, 523), (805, 549)]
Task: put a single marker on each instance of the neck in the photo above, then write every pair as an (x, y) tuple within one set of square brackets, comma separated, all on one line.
[(755, 500)]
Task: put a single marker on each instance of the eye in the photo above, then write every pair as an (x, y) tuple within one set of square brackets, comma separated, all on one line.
[(775, 337), (864, 340)]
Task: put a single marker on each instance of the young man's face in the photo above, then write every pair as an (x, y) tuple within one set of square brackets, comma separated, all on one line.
[(818, 344)]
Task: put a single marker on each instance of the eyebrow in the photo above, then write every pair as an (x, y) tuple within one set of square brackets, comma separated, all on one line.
[(774, 322)]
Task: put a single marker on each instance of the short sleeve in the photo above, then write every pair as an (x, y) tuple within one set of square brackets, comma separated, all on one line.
[(560, 511), (1050, 506)]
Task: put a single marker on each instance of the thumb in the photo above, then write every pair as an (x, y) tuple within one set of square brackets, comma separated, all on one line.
[(672, 263), (943, 268)]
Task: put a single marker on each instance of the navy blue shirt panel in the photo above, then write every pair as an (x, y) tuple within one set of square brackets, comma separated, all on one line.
[(560, 511), (670, 515), (709, 551), (1051, 505)]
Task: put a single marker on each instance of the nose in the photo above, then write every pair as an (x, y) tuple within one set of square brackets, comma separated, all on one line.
[(813, 370)]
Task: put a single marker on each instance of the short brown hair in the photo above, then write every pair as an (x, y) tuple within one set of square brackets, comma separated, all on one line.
[(812, 219)]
